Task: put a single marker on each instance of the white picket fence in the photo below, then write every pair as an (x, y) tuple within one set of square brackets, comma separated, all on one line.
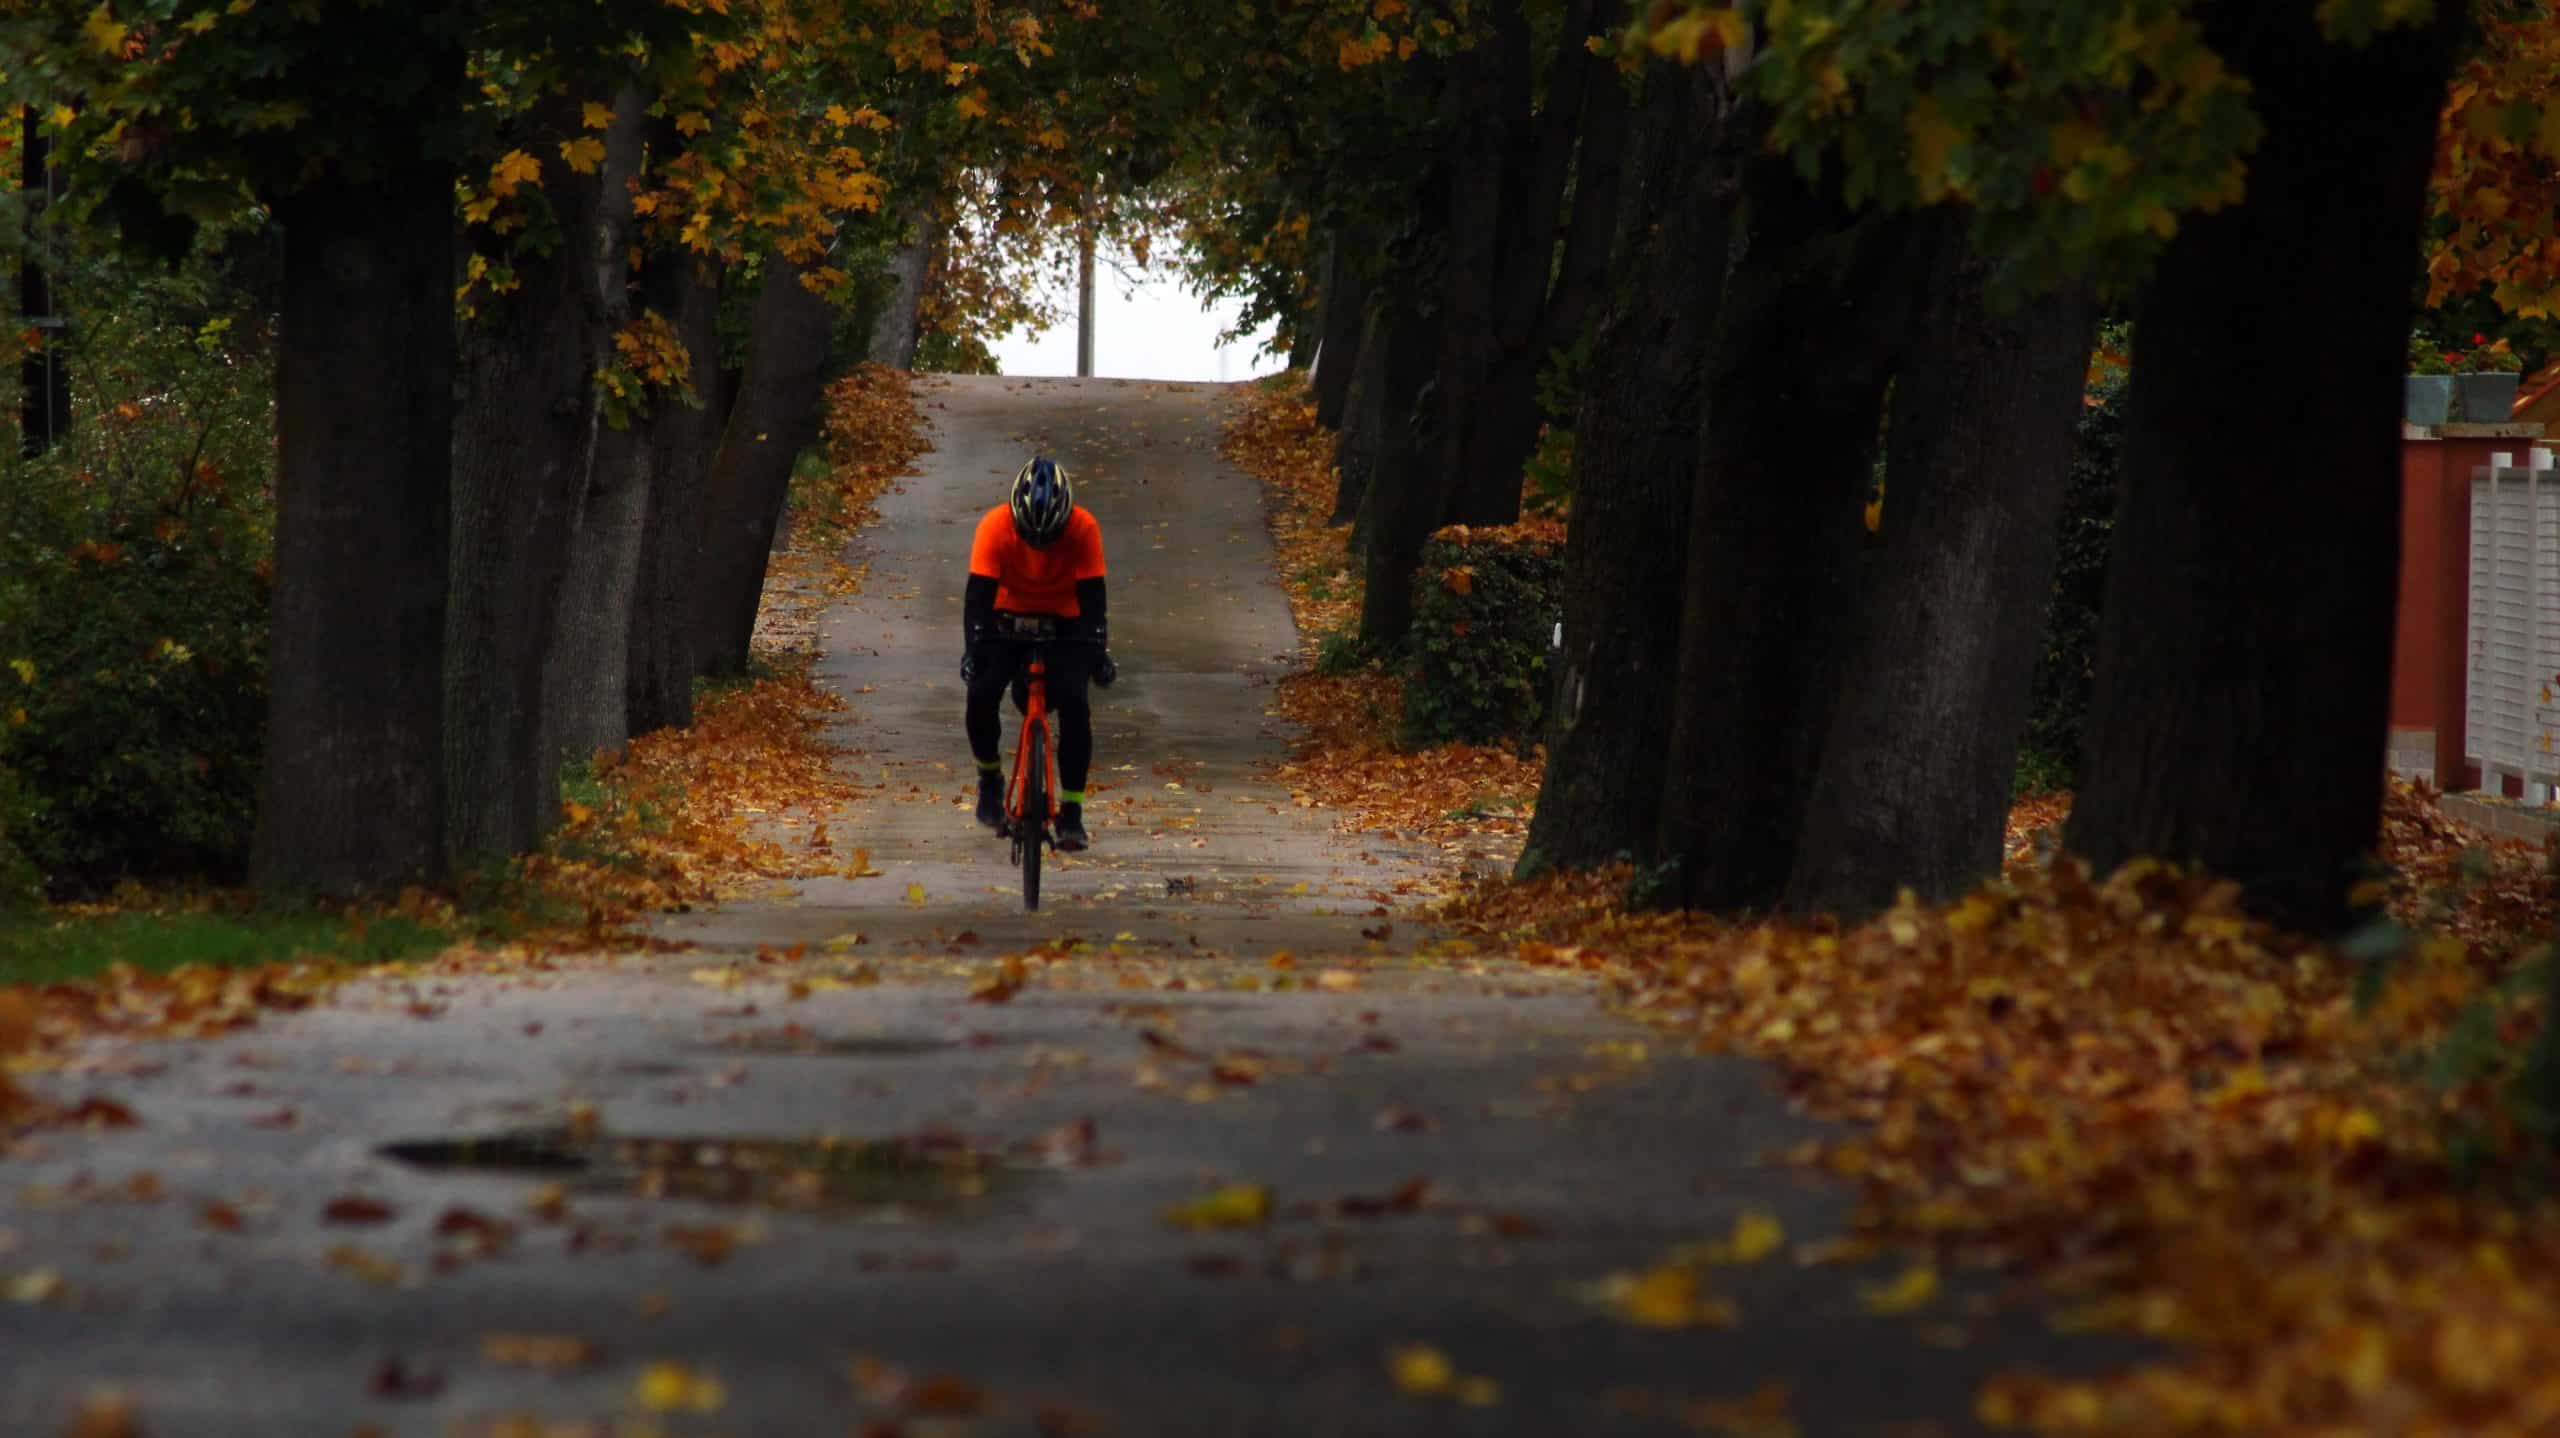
[(2512, 691)]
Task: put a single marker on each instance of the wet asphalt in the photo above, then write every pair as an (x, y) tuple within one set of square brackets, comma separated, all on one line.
[(844, 1189)]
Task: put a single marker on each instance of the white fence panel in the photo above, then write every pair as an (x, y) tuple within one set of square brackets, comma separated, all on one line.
[(2512, 694)]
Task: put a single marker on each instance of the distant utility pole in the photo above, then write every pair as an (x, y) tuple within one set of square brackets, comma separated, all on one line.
[(1084, 301), (45, 410)]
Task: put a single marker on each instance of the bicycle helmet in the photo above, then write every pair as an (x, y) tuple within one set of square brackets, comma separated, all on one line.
[(1042, 500)]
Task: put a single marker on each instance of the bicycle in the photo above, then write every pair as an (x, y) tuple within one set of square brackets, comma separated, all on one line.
[(1031, 797)]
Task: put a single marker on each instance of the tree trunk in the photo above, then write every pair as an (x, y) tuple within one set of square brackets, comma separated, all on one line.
[(1805, 336), (1913, 788), (585, 680), (893, 331), (1404, 501), (682, 442), (524, 447), (1341, 315), (1355, 442), (1403, 488), (1635, 467), (1503, 254), (1599, 177), (777, 415), (351, 799), (2244, 656)]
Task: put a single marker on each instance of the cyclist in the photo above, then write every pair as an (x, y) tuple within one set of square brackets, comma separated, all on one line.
[(1040, 553)]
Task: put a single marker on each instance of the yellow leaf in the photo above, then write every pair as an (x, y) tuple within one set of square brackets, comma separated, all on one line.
[(514, 168), (971, 106), (1421, 1370), (670, 1387), (105, 31), (25, 669), (597, 116), (1914, 1289), (199, 24), (837, 117), (915, 893), (1756, 1235), (583, 153), (691, 122), (1240, 1205)]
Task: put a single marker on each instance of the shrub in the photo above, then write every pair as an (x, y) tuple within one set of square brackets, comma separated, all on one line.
[(1486, 604), (133, 610), (2058, 707)]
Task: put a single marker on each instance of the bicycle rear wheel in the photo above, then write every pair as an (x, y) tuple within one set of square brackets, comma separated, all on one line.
[(1033, 828)]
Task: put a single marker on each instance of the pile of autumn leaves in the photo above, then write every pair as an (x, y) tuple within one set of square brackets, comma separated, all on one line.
[(1346, 758), (685, 816), (2186, 1121)]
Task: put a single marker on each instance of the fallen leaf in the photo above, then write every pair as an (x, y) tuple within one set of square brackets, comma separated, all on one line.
[(672, 1387), (553, 1353), (356, 1211), (1242, 1205), (1914, 1289), (1421, 1370)]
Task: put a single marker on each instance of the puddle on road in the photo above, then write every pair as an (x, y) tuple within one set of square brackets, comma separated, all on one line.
[(928, 1176)]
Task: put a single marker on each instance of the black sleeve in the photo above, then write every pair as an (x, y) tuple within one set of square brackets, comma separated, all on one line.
[(1093, 602), (977, 608)]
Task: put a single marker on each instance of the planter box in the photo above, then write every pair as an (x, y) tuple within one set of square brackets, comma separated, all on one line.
[(2428, 399), (2486, 398)]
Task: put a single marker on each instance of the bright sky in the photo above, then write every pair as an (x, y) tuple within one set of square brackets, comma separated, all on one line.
[(1155, 330)]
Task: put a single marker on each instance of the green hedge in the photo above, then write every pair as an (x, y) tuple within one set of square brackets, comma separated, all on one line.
[(1485, 611), (133, 606)]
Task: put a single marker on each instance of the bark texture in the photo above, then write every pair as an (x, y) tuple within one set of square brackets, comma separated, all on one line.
[(2244, 656), (894, 330), (1913, 786), (1635, 468), (1342, 313), (682, 442), (1364, 406), (351, 799), (1812, 313), (523, 451), (776, 416)]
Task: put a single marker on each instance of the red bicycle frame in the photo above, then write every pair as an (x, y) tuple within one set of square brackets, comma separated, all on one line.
[(1035, 714)]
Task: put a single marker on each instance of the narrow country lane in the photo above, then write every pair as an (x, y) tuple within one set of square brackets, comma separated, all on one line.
[(1151, 1191)]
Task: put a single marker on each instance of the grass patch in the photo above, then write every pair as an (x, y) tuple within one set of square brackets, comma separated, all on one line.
[(58, 945)]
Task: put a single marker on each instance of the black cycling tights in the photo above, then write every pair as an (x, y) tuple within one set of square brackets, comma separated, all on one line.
[(1069, 673)]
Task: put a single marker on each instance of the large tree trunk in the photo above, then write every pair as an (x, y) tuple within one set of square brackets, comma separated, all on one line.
[(894, 331), (1635, 467), (1403, 485), (1591, 225), (2244, 657), (777, 415), (524, 447), (1913, 788), (1364, 416), (585, 679), (1478, 170), (1508, 206), (1342, 312), (682, 443), (1805, 338), (351, 800)]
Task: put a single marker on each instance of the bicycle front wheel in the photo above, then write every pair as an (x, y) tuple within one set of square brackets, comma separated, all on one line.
[(1034, 824)]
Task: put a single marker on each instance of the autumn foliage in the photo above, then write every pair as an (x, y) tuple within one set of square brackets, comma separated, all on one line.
[(2182, 1122), (1347, 758)]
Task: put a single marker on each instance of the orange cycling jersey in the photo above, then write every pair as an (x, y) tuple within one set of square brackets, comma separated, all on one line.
[(1037, 581)]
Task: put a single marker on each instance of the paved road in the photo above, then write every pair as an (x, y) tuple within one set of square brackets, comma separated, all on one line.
[(877, 1174)]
